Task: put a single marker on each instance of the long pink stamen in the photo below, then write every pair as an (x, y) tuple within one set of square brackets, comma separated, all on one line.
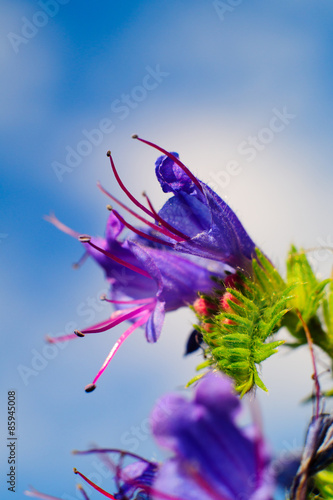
[(81, 489), (127, 314), (174, 159), (63, 338), (141, 233), (116, 317), (59, 225), (37, 494), (115, 348), (138, 204), (150, 205), (97, 488), (137, 301), (142, 219), (86, 239), (81, 261), (112, 450)]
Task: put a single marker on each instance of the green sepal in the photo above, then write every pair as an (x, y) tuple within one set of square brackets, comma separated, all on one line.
[(194, 380), (236, 339)]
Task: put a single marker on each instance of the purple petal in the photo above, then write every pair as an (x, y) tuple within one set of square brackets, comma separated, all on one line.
[(214, 229), (187, 214), (172, 177), (179, 279), (135, 477), (155, 322), (203, 434)]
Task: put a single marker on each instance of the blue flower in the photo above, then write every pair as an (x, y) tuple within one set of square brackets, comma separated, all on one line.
[(212, 229), (212, 457), (147, 280), (133, 481), (147, 275)]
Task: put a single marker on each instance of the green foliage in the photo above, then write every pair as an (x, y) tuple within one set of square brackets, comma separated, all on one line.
[(311, 300), (322, 487), (250, 313), (236, 336)]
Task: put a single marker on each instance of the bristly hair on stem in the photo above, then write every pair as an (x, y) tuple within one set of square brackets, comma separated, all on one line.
[(249, 313)]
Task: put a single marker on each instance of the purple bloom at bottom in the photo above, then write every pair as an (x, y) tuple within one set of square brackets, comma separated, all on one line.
[(213, 458)]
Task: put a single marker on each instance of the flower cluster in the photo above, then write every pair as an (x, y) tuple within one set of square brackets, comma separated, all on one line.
[(190, 244), (195, 252)]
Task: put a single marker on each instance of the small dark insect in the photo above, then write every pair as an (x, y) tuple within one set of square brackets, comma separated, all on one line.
[(193, 342)]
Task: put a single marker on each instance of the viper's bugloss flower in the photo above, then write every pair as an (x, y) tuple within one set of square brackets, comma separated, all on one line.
[(213, 230), (133, 481), (212, 457), (146, 282), (147, 273)]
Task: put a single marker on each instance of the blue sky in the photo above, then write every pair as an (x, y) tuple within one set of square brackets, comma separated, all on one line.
[(195, 81)]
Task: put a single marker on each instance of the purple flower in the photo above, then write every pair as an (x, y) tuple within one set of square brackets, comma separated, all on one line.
[(133, 481), (147, 280), (147, 275), (212, 229), (212, 458)]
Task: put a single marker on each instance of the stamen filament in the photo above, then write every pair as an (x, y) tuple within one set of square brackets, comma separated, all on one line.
[(145, 221), (141, 233), (81, 261), (150, 204), (84, 494), (63, 338), (127, 314), (59, 225), (137, 301), (138, 204), (112, 450), (97, 488), (118, 260), (37, 494), (119, 342), (173, 158)]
